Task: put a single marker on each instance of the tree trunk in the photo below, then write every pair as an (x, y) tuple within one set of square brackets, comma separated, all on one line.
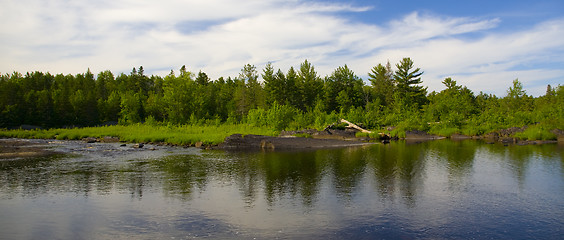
[(355, 126)]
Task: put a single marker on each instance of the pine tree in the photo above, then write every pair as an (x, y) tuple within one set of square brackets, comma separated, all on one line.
[(406, 81)]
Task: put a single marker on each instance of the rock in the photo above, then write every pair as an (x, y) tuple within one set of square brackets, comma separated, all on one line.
[(459, 137), (123, 145), (108, 139), (420, 135), (266, 144), (138, 145), (198, 144), (90, 140), (559, 135)]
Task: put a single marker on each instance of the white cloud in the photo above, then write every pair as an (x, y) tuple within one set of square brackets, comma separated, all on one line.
[(220, 36)]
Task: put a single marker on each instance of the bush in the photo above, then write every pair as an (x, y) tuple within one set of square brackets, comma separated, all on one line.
[(279, 116)]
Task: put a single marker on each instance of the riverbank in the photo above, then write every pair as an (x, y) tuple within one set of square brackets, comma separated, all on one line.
[(234, 136), (185, 135)]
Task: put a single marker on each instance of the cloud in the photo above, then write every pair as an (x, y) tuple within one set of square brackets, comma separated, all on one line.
[(492, 62), (220, 36)]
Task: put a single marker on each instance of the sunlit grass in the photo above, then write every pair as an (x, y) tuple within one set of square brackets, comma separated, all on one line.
[(181, 135), (536, 132)]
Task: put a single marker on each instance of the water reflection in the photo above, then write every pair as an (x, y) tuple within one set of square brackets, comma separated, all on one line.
[(397, 170), (431, 189)]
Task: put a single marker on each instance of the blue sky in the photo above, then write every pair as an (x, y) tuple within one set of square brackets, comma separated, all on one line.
[(483, 45)]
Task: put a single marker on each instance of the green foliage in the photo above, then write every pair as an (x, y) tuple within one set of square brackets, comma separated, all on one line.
[(303, 135), (537, 132), (444, 130), (407, 83), (382, 79), (343, 89), (278, 117), (291, 100), (373, 135)]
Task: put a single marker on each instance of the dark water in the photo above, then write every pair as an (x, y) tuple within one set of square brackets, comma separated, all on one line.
[(437, 190)]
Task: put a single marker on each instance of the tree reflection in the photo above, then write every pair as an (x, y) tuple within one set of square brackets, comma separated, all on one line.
[(398, 168), (347, 167), (182, 174), (296, 174), (397, 171), (456, 156)]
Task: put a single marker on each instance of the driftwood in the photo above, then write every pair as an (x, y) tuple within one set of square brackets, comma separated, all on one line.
[(351, 125)]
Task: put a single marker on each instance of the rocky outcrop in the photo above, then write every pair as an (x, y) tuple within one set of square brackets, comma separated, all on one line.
[(420, 135), (559, 135)]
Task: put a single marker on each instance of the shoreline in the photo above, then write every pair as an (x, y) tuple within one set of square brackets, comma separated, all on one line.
[(18, 148), (229, 137)]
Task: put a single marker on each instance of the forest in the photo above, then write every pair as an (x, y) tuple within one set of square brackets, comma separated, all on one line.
[(296, 99)]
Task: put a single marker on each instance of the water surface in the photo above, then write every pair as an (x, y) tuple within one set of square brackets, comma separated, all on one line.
[(439, 189)]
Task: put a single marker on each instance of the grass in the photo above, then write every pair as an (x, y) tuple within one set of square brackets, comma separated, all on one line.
[(373, 135), (180, 135), (536, 132), (445, 131)]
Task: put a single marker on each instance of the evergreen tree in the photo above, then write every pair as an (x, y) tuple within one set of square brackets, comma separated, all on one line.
[(406, 81), (382, 79), (202, 78), (255, 92), (343, 89), (292, 91), (273, 85), (310, 85)]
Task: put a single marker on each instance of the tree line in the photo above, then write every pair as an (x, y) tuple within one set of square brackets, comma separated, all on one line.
[(298, 98)]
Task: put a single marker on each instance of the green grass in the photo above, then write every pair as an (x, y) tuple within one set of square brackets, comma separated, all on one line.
[(181, 135), (445, 131), (374, 135), (536, 132)]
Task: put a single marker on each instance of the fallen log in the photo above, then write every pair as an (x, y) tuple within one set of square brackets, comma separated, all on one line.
[(351, 125)]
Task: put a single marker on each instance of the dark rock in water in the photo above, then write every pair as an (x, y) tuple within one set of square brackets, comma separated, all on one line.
[(420, 135), (459, 137), (238, 141), (507, 140), (138, 145), (90, 140), (123, 145)]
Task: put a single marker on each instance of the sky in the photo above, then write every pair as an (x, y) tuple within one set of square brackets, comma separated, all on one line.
[(483, 45)]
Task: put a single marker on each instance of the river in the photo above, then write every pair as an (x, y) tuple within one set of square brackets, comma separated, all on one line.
[(439, 189)]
